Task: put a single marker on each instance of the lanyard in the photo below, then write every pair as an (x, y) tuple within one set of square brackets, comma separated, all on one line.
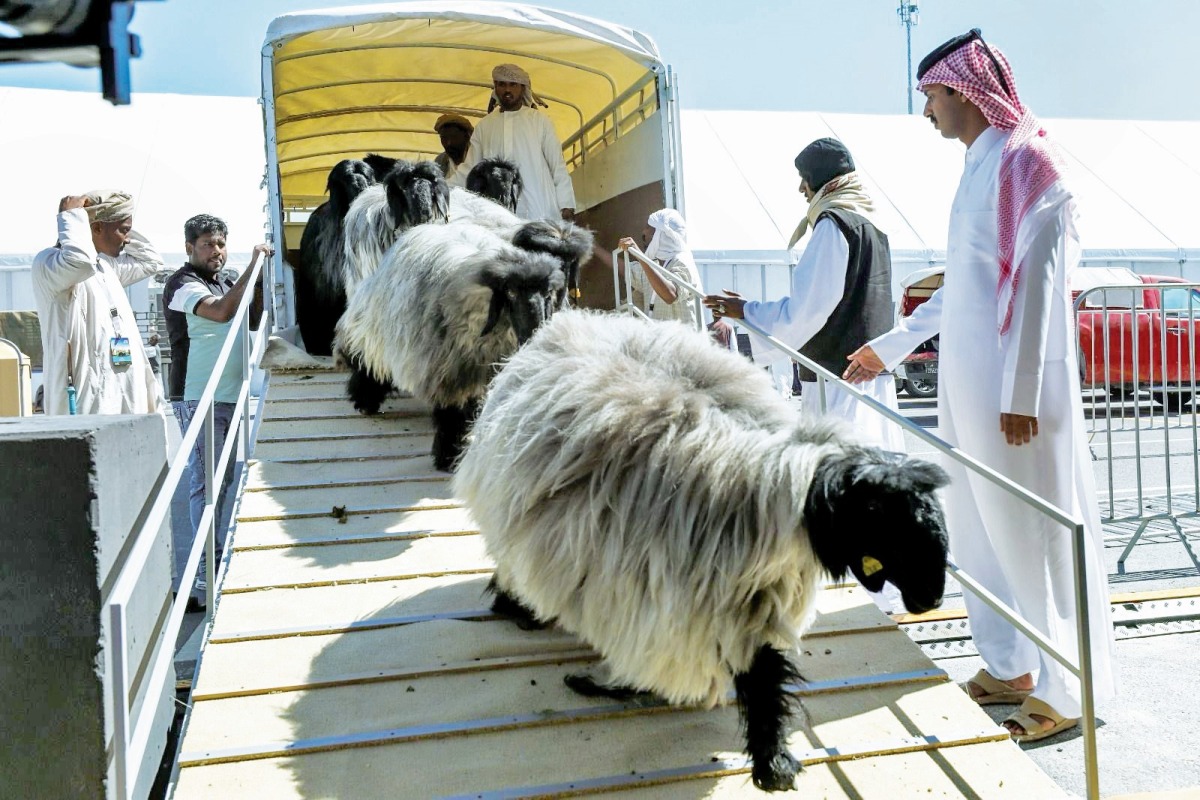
[(113, 312)]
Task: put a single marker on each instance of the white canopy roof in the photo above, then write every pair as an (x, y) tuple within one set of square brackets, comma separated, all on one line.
[(1137, 183), (180, 155)]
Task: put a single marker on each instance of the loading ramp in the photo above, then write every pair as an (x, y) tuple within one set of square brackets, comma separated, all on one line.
[(352, 655)]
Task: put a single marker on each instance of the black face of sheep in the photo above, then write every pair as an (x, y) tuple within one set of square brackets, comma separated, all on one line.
[(346, 182), (416, 194), (498, 180), (877, 516), (526, 287), (566, 241)]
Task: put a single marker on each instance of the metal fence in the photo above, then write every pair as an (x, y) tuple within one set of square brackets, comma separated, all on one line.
[(1137, 363), (1074, 525), (132, 733)]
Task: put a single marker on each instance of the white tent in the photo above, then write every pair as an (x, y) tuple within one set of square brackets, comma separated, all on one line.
[(1137, 184)]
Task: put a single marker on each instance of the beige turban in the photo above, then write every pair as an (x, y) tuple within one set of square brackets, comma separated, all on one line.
[(108, 206), (511, 73)]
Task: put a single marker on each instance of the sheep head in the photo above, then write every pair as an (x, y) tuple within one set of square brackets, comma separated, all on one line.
[(498, 180), (346, 182), (569, 243), (416, 194), (525, 287), (381, 165), (877, 516)]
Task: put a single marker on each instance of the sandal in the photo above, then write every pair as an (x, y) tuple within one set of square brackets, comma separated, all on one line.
[(1033, 728), (993, 691)]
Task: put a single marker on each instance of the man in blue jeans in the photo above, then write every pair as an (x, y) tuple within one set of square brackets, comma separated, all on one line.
[(200, 295)]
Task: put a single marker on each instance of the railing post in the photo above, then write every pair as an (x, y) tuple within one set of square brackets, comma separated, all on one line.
[(210, 494), (1086, 678), (120, 692)]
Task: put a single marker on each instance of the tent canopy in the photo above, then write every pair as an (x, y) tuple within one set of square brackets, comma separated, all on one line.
[(1137, 183), (362, 79)]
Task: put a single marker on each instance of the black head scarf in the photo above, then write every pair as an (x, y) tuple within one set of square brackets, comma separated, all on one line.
[(822, 161)]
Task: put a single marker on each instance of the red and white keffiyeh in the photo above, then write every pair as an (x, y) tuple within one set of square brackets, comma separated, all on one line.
[(1030, 163)]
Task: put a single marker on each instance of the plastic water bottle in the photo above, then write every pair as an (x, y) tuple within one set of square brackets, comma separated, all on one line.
[(70, 399)]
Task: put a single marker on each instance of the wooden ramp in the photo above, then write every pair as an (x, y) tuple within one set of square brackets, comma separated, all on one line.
[(352, 656)]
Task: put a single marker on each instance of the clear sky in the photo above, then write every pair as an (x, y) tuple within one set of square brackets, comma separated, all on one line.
[(1073, 58)]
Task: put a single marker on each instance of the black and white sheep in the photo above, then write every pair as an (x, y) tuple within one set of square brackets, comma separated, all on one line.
[(446, 306), (320, 295), (410, 194), (496, 179), (655, 496)]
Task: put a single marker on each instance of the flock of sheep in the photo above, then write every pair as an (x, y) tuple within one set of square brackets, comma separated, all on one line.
[(635, 484)]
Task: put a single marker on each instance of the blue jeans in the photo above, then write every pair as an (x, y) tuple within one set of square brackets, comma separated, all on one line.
[(222, 417)]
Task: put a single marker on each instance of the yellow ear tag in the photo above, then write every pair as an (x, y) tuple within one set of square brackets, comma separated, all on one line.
[(871, 565)]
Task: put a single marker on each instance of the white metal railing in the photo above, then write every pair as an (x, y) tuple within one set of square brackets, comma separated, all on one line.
[(621, 262), (1083, 670), (132, 735), (1145, 358), (610, 123)]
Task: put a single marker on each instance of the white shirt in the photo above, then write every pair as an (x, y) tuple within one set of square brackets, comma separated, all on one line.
[(75, 289), (525, 137)]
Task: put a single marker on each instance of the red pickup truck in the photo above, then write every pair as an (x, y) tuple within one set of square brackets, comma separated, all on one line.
[(1135, 333)]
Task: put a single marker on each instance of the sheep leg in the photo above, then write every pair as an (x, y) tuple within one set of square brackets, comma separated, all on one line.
[(507, 605), (765, 708), (450, 426), (366, 393), (588, 685)]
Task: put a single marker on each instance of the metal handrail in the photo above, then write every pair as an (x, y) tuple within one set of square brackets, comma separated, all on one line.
[(1083, 670), (634, 253), (131, 736)]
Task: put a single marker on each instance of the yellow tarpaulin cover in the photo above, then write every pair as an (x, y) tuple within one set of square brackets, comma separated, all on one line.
[(365, 79)]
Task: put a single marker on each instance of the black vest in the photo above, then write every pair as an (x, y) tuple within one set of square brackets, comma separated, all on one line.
[(865, 310)]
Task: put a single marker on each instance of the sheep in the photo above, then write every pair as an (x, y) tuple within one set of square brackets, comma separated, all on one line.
[(498, 180), (655, 496), (408, 195), (448, 303), (320, 296)]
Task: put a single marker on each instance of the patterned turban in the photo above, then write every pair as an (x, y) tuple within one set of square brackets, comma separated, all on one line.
[(511, 73), (108, 206), (1030, 164)]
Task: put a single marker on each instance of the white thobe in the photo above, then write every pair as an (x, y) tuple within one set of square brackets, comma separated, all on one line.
[(526, 138), (818, 283), (75, 289), (1016, 552)]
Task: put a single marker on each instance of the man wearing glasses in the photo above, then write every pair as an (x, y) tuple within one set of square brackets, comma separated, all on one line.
[(1011, 387)]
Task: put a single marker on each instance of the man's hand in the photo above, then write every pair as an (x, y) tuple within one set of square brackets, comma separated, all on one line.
[(568, 214), (264, 249), (730, 304), (626, 243), (73, 201), (865, 365), (1018, 429)]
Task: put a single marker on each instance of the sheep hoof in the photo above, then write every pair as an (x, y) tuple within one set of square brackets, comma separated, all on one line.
[(776, 774), (585, 684)]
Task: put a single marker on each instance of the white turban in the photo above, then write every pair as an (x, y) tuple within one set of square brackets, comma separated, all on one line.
[(511, 73), (670, 234), (108, 206)]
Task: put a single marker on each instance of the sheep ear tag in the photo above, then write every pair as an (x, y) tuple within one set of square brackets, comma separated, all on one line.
[(871, 565)]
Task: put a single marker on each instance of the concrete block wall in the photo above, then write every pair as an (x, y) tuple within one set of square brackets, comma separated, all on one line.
[(71, 491)]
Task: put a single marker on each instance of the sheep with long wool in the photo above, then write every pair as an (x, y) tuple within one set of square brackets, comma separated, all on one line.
[(655, 496), (320, 295), (410, 194), (446, 306)]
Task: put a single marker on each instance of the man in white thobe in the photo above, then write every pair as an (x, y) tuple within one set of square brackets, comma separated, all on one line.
[(840, 293), (1009, 390), (89, 335), (517, 132)]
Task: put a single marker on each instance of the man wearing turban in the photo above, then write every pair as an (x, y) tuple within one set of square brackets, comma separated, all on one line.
[(516, 131), (89, 335), (1011, 388), (455, 131), (841, 291)]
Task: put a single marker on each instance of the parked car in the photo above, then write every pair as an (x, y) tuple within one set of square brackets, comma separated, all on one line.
[(918, 374), (1116, 309)]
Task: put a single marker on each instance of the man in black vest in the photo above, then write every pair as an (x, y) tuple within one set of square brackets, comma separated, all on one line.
[(841, 290)]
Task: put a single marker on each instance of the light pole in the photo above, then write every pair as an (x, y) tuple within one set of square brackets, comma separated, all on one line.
[(909, 15)]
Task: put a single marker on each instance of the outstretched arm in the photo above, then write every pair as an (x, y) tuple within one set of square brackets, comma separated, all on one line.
[(222, 309), (886, 351)]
